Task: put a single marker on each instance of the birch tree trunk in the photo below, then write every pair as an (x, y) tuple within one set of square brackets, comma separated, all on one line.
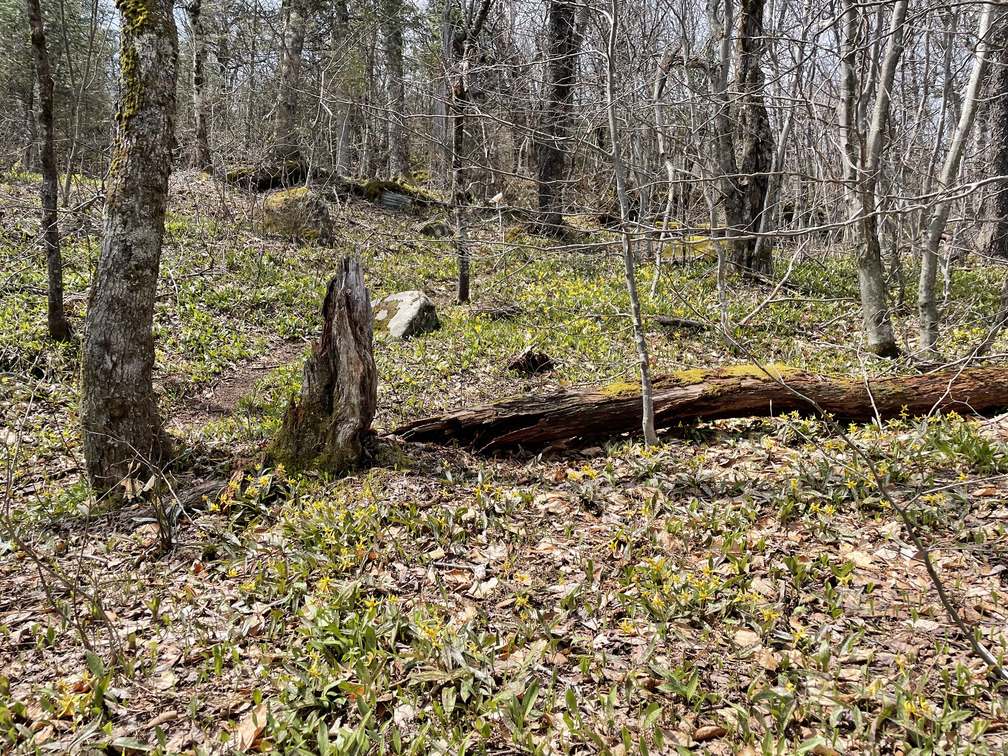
[(927, 303), (121, 427), (59, 328)]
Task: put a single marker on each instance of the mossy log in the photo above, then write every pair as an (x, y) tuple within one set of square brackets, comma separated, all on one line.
[(691, 395), (325, 428), (262, 178), (394, 195)]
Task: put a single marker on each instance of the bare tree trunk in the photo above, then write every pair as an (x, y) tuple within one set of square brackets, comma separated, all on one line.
[(286, 144), (994, 233), (562, 45), (657, 95), (951, 23), (754, 139), (253, 86), (326, 428), (443, 134), (458, 197), (397, 135), (863, 165), (927, 304), (775, 184), (201, 143), (119, 414), (79, 85), (725, 167), (647, 415), (462, 42), (59, 328)]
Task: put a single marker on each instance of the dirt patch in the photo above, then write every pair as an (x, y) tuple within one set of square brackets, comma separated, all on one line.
[(221, 398)]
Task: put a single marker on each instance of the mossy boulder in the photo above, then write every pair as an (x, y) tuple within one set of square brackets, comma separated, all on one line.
[(298, 214), (405, 314)]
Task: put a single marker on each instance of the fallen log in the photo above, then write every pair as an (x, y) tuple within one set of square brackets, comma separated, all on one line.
[(686, 324), (262, 178), (691, 395)]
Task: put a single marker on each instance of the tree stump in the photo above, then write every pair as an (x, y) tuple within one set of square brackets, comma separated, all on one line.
[(324, 429)]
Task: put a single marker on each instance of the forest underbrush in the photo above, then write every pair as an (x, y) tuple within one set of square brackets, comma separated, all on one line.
[(745, 587)]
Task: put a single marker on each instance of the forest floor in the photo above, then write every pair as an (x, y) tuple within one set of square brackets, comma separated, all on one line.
[(745, 587)]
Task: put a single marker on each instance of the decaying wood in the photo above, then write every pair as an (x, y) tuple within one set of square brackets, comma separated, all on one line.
[(325, 428), (529, 362), (684, 323), (707, 394), (394, 195), (262, 178)]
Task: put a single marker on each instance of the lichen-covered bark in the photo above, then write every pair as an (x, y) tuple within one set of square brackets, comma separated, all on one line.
[(119, 416), (325, 428), (562, 45), (59, 328)]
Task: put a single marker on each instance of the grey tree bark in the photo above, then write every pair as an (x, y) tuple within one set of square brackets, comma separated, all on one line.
[(862, 169), (462, 32), (562, 46), (993, 240), (286, 143), (121, 427), (647, 413), (399, 161), (927, 302), (201, 141), (59, 328), (994, 232), (742, 140), (326, 427), (755, 142)]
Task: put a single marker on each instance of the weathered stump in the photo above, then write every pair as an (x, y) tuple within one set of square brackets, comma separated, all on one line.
[(324, 429)]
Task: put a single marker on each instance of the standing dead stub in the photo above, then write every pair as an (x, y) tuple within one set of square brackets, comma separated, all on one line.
[(324, 429)]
